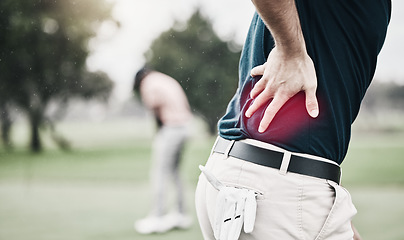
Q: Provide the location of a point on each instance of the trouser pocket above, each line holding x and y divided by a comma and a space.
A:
337, 226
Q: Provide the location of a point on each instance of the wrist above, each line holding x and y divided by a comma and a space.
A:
289, 51
291, 46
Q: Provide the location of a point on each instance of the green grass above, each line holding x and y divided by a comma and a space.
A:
98, 189
375, 159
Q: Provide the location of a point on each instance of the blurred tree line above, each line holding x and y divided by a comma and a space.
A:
205, 65
387, 96
43, 51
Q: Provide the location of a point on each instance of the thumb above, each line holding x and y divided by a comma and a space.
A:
258, 70
312, 104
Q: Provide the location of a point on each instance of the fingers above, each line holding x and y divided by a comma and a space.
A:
234, 207
261, 84
279, 99
228, 220
258, 102
271, 111
311, 103
258, 70
236, 226
258, 88
219, 214
250, 211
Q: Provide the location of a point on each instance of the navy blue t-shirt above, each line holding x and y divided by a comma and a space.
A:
343, 38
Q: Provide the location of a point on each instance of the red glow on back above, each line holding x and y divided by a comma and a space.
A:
291, 120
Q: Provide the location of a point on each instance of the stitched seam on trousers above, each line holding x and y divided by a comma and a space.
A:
324, 229
330, 218
300, 212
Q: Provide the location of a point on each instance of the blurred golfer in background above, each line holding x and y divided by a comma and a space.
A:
164, 96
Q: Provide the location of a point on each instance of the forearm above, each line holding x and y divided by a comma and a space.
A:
288, 69
282, 19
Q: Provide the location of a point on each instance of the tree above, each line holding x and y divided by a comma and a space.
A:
203, 64
5, 121
43, 51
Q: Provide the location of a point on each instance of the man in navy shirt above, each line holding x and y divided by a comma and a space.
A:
304, 70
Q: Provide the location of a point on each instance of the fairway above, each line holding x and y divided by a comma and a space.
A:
98, 189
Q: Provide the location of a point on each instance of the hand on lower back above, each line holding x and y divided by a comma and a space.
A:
282, 78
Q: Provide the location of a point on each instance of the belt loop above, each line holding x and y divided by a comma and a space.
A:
285, 163
214, 145
226, 153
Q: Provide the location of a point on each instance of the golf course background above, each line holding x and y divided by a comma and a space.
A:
100, 187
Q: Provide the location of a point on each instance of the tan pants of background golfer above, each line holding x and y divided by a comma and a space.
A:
289, 206
167, 149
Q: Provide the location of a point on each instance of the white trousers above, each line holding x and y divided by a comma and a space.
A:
167, 150
289, 206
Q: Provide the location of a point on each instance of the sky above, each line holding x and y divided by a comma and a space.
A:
120, 51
